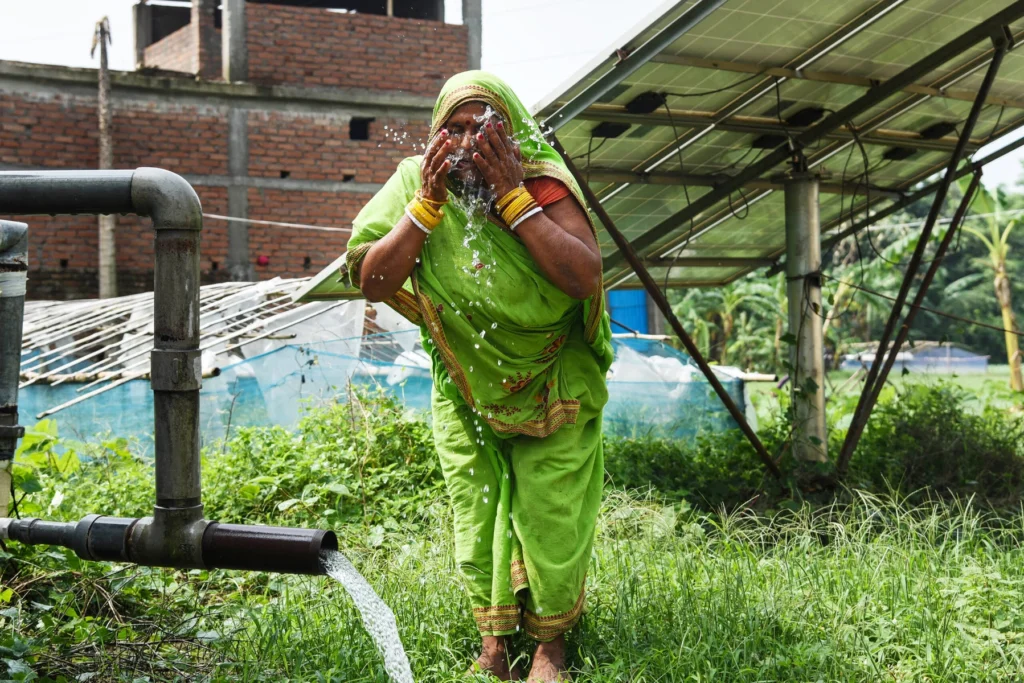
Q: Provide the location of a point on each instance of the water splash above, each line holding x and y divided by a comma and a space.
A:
378, 619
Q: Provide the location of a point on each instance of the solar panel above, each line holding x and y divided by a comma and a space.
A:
723, 83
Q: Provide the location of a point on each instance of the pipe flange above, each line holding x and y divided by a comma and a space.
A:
176, 370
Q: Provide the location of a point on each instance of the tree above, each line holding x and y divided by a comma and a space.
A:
107, 223
996, 238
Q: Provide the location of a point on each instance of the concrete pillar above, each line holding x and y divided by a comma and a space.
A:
234, 54
655, 318
204, 39
472, 18
803, 265
239, 264
142, 15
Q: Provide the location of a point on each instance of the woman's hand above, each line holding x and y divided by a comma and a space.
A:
498, 159
434, 169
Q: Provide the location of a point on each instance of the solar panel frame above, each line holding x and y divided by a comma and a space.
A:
849, 45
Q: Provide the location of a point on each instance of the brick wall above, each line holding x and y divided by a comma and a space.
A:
176, 52
59, 131
314, 47
318, 147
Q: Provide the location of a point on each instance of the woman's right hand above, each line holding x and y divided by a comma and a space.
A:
434, 169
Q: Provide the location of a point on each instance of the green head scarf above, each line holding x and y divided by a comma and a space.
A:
514, 347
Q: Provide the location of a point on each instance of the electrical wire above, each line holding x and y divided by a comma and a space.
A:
686, 193
705, 93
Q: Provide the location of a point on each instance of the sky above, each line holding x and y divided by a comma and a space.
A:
535, 45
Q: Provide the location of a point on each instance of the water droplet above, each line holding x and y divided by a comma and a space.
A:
494, 326
471, 471
509, 534
487, 489
485, 499
471, 368
476, 346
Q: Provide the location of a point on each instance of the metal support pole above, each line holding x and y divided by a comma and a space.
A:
13, 274
662, 302
803, 266
875, 378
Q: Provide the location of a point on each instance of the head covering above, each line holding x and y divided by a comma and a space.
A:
493, 323
539, 158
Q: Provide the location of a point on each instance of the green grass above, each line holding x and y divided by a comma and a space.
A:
991, 388
867, 592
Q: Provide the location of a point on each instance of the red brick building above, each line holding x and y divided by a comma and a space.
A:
272, 110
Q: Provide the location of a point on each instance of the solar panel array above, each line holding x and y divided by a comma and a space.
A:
745, 80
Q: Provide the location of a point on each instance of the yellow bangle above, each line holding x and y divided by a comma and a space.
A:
508, 198
429, 202
424, 216
520, 206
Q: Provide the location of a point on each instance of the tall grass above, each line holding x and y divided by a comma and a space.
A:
875, 590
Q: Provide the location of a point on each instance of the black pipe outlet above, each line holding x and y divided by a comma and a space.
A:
37, 531
266, 548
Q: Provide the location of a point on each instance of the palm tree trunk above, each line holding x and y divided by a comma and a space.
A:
776, 359
727, 325
1013, 353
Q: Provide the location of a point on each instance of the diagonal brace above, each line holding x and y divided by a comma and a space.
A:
666, 309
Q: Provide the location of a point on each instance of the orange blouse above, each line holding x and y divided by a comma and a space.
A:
546, 190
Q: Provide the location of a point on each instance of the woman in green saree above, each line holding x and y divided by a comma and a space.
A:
484, 242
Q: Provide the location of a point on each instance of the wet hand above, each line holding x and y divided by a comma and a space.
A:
434, 168
498, 159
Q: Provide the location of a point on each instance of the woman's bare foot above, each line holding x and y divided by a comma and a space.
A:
494, 660
549, 663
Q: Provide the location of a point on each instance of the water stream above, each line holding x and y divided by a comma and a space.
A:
378, 620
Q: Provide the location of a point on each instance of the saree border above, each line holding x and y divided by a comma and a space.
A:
559, 411
495, 618
545, 629
520, 579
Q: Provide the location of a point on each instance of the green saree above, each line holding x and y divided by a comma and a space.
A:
519, 385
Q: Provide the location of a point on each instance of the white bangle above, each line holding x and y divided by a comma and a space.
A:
416, 222
526, 215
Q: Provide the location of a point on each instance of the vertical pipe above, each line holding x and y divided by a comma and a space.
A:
13, 271
175, 535
803, 266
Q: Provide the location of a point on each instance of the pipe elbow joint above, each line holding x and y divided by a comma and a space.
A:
167, 198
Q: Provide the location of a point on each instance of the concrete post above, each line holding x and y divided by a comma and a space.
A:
204, 37
143, 19
107, 236
239, 264
803, 265
13, 271
472, 18
234, 54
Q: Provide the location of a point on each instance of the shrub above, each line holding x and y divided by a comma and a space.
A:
925, 437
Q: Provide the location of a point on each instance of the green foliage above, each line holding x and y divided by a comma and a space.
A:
363, 461
927, 437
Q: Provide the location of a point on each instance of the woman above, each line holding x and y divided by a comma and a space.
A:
485, 243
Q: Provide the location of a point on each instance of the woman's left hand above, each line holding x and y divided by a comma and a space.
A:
498, 159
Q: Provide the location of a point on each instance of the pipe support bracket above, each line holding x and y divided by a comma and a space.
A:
172, 370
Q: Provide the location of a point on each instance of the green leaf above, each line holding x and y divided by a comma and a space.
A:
340, 489
287, 504
30, 485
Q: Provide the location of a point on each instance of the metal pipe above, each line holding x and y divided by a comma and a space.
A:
13, 275
224, 546
866, 402
666, 309
176, 534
